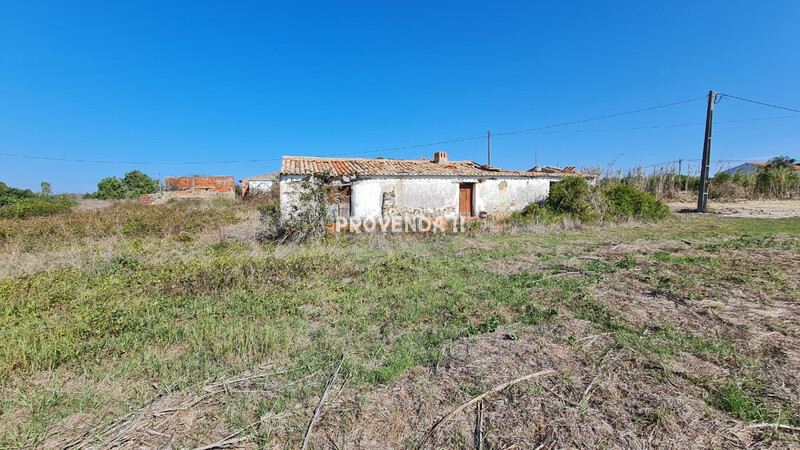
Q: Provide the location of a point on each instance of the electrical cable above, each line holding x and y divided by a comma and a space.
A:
385, 150
761, 103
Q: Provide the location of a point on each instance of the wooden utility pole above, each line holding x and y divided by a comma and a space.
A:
489, 148
702, 196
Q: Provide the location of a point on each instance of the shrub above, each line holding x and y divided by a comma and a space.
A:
574, 198
534, 213
626, 202
21, 203
571, 197
9, 195
37, 206
134, 184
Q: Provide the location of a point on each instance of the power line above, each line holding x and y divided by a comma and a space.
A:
601, 117
678, 125
96, 161
384, 150
761, 103
394, 149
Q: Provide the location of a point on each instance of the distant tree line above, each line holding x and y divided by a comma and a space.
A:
18, 203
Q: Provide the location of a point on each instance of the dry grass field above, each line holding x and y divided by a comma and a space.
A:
133, 326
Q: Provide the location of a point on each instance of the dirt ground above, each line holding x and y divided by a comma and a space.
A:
603, 393
745, 208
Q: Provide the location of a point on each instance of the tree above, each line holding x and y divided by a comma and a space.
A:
132, 185
138, 183
782, 161
46, 189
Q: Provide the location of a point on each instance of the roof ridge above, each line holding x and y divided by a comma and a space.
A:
344, 158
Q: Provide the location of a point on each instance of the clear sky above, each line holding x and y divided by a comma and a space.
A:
168, 81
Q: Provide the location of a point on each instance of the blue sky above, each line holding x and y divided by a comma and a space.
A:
211, 81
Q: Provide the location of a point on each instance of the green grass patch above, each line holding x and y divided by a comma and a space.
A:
686, 260
132, 320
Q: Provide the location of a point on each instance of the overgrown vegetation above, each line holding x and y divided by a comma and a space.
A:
627, 202
309, 216
574, 199
779, 179
132, 185
174, 220
159, 301
21, 203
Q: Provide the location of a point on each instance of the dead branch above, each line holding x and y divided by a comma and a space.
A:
224, 443
566, 400
226, 383
494, 390
587, 392
230, 439
774, 425
479, 426
319, 405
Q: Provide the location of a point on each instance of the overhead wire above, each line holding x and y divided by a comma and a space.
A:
449, 141
384, 150
759, 103
574, 122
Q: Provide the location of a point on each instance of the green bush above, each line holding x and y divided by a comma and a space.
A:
37, 206
534, 213
571, 197
626, 202
574, 198
134, 184
21, 203
9, 195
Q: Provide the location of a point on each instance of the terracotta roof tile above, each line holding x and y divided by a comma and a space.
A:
307, 165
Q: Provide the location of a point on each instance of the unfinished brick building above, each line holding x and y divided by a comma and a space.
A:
194, 187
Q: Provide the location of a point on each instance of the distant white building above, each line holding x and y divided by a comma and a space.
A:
364, 188
749, 167
260, 184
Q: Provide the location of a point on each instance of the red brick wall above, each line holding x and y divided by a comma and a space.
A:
200, 184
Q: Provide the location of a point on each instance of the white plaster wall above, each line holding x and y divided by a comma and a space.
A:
431, 196
260, 187
290, 187
502, 196
365, 198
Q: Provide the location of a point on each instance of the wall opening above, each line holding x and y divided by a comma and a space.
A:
465, 197
339, 196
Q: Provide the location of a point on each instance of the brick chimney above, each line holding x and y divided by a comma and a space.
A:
440, 157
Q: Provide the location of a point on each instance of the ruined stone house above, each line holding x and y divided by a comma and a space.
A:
440, 188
